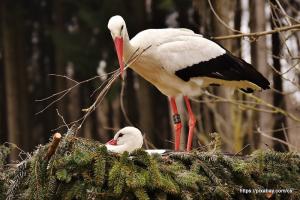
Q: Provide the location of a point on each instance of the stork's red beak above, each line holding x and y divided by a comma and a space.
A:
119, 48
112, 142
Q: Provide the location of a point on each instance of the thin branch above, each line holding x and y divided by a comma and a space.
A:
63, 76
103, 93
256, 35
69, 89
247, 145
103, 83
62, 118
276, 109
281, 129
284, 78
220, 19
285, 133
276, 139
269, 107
276, 19
241, 104
122, 104
284, 13
63, 94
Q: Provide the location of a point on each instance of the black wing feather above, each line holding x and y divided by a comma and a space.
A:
225, 67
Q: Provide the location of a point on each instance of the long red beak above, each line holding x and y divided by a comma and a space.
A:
112, 142
119, 48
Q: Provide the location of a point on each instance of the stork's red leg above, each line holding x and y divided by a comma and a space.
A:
192, 122
177, 123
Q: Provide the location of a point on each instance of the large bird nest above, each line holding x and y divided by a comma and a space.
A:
83, 169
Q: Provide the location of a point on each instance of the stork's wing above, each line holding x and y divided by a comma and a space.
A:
191, 56
181, 51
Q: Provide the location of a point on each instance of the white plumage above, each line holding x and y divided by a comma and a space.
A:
129, 139
177, 49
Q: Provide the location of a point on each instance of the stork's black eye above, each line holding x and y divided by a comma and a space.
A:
121, 134
121, 29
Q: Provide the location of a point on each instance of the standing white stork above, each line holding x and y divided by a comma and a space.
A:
180, 62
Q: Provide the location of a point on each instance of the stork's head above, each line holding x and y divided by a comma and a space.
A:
117, 27
128, 139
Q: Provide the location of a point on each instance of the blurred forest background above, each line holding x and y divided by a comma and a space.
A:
69, 38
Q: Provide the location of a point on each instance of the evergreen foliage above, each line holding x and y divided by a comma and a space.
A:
83, 169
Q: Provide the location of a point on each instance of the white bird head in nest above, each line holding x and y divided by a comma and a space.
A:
126, 139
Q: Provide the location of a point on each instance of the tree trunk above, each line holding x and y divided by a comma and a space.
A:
278, 97
73, 106
225, 10
3, 131
206, 123
238, 114
15, 75
45, 65
259, 60
205, 22
3, 135
60, 63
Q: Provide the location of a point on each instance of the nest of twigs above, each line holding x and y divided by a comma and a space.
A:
83, 169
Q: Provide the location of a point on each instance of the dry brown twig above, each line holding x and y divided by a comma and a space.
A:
122, 95
62, 118
220, 19
258, 34
62, 94
284, 13
293, 82
53, 146
122, 104
291, 147
102, 94
269, 107
275, 15
105, 86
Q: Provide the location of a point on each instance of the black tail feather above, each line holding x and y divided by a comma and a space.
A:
252, 75
225, 67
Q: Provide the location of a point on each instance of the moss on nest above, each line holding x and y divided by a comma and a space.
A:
83, 169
